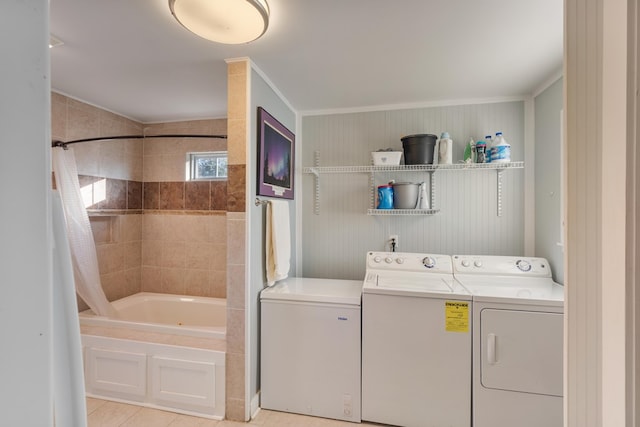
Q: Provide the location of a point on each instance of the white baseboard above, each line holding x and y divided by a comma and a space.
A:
255, 405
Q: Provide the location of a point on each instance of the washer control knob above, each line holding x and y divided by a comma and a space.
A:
429, 262
465, 263
388, 260
523, 265
377, 259
400, 260
477, 263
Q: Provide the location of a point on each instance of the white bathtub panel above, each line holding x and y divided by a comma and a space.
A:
116, 371
201, 392
182, 384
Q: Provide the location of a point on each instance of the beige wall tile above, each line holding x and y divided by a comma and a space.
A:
218, 229
133, 281
238, 148
151, 279
134, 147
112, 159
235, 330
196, 228
218, 283
101, 228
235, 374
199, 255
174, 167
58, 117
114, 285
234, 409
236, 242
153, 227
83, 121
173, 281
237, 94
151, 253
197, 282
132, 167
219, 256
132, 254
173, 254
116, 227
174, 228
236, 288
237, 67
131, 228
116, 257
152, 147
152, 168
87, 158
207, 145
174, 146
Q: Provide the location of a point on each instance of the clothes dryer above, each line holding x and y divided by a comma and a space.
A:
517, 340
416, 342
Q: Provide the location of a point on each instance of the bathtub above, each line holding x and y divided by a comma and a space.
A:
174, 314
162, 351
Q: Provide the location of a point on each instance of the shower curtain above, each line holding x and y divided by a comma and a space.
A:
82, 245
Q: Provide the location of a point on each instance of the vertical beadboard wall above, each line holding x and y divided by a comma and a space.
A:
334, 243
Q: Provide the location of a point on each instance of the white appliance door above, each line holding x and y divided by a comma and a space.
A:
310, 359
521, 351
416, 362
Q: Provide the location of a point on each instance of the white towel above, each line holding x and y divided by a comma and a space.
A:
278, 241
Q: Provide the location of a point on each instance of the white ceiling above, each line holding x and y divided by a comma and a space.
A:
133, 58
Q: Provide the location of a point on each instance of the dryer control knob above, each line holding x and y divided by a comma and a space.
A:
388, 260
429, 262
477, 263
465, 263
523, 265
400, 260
377, 259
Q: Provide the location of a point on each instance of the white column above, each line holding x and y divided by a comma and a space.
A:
25, 224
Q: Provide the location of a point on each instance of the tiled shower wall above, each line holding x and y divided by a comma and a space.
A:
184, 231
154, 231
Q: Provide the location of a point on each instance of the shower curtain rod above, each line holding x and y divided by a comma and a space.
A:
57, 143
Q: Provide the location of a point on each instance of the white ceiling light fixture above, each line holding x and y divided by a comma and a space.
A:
223, 21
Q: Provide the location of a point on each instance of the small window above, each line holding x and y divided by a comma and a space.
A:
202, 166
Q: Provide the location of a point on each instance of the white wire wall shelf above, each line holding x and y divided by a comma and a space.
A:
402, 212
318, 170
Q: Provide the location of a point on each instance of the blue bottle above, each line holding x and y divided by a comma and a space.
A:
385, 196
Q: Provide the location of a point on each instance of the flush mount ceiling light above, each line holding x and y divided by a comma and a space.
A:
223, 21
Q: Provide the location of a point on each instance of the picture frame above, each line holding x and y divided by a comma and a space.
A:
276, 149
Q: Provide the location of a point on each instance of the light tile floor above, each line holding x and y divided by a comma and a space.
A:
104, 413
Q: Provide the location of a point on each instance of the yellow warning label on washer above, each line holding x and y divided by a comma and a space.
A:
456, 315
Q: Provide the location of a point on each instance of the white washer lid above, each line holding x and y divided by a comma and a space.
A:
412, 284
305, 289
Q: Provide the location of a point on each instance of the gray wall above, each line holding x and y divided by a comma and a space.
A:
25, 239
262, 95
334, 243
548, 107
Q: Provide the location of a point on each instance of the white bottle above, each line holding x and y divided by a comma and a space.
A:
445, 149
501, 150
423, 198
487, 151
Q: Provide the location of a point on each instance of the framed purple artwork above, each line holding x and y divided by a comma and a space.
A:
275, 157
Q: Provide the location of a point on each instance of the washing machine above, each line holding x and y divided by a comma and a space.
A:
517, 340
310, 349
416, 342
